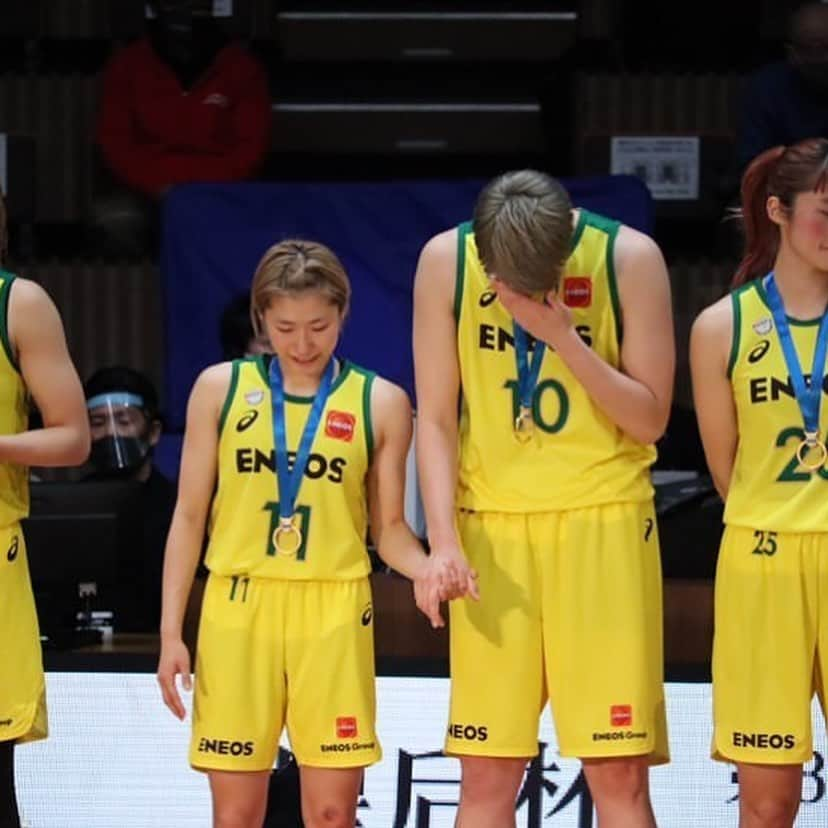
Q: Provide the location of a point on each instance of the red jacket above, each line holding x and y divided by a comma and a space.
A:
154, 133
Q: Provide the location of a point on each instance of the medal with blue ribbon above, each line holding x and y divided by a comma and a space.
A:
528, 373
287, 537
811, 452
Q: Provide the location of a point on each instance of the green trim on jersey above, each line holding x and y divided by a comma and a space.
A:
579, 228
367, 385
231, 392
5, 291
792, 320
610, 227
344, 368
460, 276
736, 302
612, 281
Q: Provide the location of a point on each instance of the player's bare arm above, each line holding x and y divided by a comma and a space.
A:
710, 341
39, 345
184, 542
396, 543
437, 375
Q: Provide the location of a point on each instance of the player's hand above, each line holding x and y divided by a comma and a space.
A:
549, 321
174, 661
428, 593
452, 570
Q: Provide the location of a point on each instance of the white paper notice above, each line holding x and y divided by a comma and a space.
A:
668, 166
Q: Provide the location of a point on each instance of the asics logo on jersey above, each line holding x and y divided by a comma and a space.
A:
252, 461
772, 389
11, 554
487, 297
246, 420
758, 351
6, 722
367, 615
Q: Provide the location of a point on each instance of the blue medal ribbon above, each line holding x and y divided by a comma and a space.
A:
808, 395
290, 480
528, 373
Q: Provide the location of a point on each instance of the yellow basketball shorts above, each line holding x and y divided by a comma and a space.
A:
284, 653
22, 687
569, 610
770, 648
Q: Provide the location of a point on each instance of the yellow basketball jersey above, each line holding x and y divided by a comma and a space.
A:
331, 505
14, 417
769, 489
577, 456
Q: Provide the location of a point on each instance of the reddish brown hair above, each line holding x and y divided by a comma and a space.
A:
784, 172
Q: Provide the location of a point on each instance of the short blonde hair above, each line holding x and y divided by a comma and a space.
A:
523, 229
295, 266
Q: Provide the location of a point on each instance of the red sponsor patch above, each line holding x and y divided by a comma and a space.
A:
346, 727
340, 425
577, 292
621, 715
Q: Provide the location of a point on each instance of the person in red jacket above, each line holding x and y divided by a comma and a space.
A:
183, 103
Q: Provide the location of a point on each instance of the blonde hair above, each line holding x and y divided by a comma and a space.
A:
295, 266
523, 229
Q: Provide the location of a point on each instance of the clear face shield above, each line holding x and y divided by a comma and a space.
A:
120, 430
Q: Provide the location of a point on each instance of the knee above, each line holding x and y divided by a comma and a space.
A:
769, 810
493, 780
328, 815
617, 779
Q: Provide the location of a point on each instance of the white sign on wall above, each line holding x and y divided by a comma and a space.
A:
668, 166
117, 757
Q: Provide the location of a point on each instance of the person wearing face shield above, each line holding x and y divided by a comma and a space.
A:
786, 102
125, 425
183, 103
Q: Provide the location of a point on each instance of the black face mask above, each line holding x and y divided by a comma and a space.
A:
118, 456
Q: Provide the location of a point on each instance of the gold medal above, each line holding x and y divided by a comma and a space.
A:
287, 537
524, 425
812, 445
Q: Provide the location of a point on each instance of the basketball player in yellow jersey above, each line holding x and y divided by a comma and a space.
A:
758, 359
291, 456
547, 513
34, 363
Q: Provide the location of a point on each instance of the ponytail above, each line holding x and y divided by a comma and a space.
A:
761, 234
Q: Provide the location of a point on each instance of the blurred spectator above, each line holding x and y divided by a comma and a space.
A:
125, 424
238, 339
184, 103
788, 101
